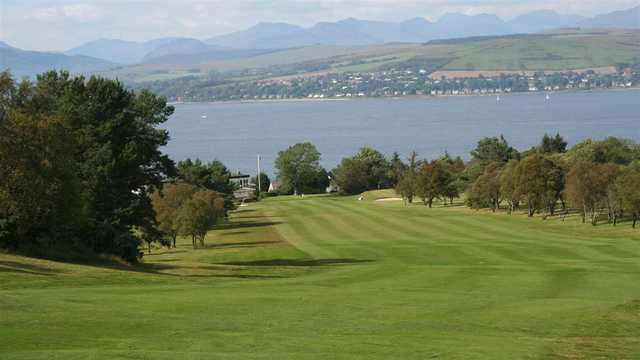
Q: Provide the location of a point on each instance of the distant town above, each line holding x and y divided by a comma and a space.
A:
410, 82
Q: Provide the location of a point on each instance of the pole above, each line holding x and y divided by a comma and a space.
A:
259, 182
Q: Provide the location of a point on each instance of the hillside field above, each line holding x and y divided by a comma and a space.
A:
554, 51
336, 278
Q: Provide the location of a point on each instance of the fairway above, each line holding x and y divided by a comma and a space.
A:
335, 278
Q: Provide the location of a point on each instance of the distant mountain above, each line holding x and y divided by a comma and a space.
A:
4, 45
118, 51
363, 32
23, 63
179, 46
627, 19
265, 35
348, 32
537, 21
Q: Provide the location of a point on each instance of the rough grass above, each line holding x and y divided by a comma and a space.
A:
337, 278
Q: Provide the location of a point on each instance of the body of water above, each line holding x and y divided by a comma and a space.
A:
237, 132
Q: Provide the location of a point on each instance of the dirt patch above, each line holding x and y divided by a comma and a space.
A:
389, 199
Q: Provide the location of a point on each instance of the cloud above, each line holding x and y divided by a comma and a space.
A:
75, 12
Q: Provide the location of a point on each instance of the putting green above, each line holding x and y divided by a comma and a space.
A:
337, 278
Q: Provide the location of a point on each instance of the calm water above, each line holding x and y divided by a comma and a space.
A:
236, 132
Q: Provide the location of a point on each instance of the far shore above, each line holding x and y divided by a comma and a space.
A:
403, 97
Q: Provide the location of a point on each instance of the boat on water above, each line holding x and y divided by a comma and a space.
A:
204, 116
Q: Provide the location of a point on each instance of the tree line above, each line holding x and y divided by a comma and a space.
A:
593, 178
82, 173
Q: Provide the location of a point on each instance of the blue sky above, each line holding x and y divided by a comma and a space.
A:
62, 24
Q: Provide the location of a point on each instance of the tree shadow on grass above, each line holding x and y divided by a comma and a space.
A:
16, 267
168, 252
236, 233
244, 211
160, 269
246, 225
297, 262
236, 245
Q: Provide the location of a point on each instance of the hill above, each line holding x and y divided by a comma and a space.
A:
23, 63
625, 19
331, 277
118, 51
559, 50
350, 32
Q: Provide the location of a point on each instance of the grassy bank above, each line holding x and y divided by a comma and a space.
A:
328, 277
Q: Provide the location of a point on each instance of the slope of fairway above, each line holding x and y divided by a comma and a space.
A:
336, 278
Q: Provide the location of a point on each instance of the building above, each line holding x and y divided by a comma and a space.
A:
245, 189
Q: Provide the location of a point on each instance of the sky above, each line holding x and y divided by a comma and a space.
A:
58, 25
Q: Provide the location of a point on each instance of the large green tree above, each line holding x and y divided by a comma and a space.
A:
432, 181
115, 154
367, 170
298, 168
39, 187
214, 176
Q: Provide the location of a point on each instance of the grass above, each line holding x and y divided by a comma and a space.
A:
337, 278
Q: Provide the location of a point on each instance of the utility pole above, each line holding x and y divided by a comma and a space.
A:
259, 180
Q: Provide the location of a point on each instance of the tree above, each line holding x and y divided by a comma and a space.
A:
408, 181
194, 172
609, 150
493, 149
264, 181
199, 214
537, 181
553, 145
407, 185
351, 176
377, 167
396, 169
432, 180
367, 170
213, 176
167, 204
626, 187
298, 166
115, 154
587, 186
455, 167
486, 190
508, 185
39, 191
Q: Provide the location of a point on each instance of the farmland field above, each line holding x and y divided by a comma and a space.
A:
335, 278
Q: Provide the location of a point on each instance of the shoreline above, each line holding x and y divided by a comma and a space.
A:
404, 97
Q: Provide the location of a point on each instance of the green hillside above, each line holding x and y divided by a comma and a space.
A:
330, 277
567, 50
